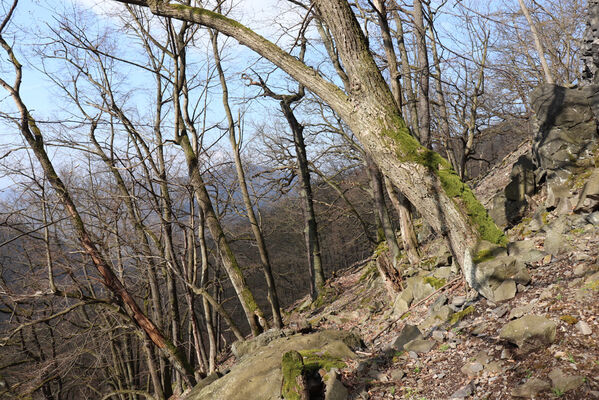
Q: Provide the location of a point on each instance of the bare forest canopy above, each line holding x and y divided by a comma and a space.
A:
172, 180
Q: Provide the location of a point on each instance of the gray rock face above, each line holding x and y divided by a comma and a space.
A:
529, 332
567, 130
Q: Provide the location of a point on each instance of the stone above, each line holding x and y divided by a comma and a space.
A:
494, 367
397, 374
408, 333
242, 347
438, 336
420, 345
520, 247
520, 311
531, 388
583, 328
554, 242
505, 291
258, 375
458, 301
471, 369
442, 272
464, 391
400, 306
500, 311
564, 383
588, 200
529, 332
567, 129
334, 388
436, 318
593, 218
438, 303
489, 274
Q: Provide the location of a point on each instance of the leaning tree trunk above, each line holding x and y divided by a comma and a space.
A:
422, 175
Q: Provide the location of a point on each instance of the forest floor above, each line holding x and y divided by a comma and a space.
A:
468, 359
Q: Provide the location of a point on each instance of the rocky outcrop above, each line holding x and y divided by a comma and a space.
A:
567, 134
258, 375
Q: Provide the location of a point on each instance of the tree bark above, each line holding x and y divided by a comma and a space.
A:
424, 112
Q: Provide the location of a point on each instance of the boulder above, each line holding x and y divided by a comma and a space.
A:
567, 132
588, 200
258, 374
529, 332
242, 347
420, 345
491, 272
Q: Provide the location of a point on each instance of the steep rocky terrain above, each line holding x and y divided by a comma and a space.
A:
522, 323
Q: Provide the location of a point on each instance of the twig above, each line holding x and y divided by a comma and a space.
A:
413, 306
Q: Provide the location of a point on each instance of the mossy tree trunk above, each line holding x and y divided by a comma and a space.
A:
422, 175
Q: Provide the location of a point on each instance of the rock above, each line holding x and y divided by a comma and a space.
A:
241, 348
520, 247
472, 369
529, 332
520, 311
486, 276
464, 391
458, 301
554, 240
408, 333
500, 311
258, 375
436, 318
494, 367
567, 129
564, 383
522, 179
505, 291
439, 303
334, 388
442, 272
397, 374
399, 307
531, 388
438, 336
294, 383
420, 345
583, 328
588, 200
593, 218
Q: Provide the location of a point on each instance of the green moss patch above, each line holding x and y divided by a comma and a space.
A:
460, 315
435, 282
292, 367
568, 319
316, 359
409, 150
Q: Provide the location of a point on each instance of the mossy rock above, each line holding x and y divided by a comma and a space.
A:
292, 368
460, 315
437, 283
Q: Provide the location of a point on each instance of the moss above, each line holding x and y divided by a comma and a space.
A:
409, 150
292, 368
435, 282
315, 360
570, 320
593, 285
460, 315
483, 255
